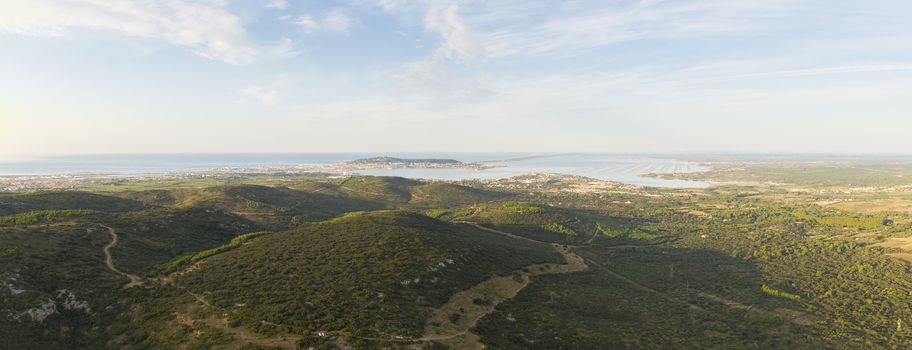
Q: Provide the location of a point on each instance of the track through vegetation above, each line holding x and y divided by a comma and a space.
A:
134, 279
451, 323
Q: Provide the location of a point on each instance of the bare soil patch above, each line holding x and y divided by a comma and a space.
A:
896, 242
905, 257
451, 323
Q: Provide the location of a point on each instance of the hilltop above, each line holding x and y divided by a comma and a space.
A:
363, 275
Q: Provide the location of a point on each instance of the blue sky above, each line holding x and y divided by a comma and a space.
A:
106, 76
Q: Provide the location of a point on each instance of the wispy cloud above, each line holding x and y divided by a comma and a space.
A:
336, 21
515, 27
204, 26
339, 21
277, 4
306, 23
430, 80
458, 40
570, 29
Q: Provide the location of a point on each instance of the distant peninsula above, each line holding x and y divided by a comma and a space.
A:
423, 163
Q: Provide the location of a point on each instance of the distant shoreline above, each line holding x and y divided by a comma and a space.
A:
621, 169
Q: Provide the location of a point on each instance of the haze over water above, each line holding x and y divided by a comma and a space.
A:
625, 169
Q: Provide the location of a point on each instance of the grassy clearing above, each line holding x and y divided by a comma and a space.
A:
451, 323
874, 206
843, 221
779, 293
904, 243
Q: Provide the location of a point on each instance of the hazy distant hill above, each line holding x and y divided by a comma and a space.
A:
398, 192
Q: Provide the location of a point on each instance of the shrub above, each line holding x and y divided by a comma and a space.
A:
36, 216
558, 228
481, 301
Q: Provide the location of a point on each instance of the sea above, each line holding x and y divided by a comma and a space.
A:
611, 167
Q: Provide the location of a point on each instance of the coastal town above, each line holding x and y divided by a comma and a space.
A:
24, 183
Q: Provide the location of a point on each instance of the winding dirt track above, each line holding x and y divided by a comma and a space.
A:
502, 233
134, 279
457, 334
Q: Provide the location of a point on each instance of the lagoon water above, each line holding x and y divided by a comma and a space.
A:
625, 169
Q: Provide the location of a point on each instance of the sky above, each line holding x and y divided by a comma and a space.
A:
648, 76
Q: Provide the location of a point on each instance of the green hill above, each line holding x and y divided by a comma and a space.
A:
55, 291
153, 237
393, 191
374, 274
276, 208
19, 203
543, 222
647, 298
396, 192
279, 208
446, 195
155, 198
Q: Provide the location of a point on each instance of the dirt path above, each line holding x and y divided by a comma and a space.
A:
502, 233
633, 283
253, 213
591, 239
134, 279
794, 316
451, 323
242, 338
